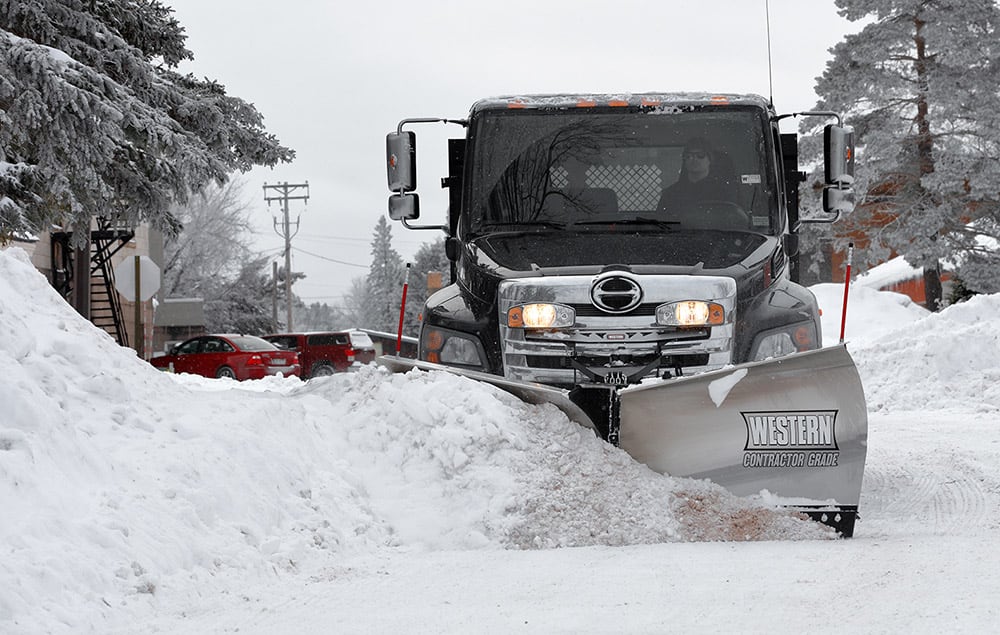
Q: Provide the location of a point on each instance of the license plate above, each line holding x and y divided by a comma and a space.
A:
278, 362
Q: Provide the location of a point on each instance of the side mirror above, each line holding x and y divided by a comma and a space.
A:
404, 207
838, 151
401, 161
838, 201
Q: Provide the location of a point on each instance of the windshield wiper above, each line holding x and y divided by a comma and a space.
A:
525, 224
638, 220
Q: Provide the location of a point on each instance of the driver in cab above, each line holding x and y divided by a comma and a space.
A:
699, 179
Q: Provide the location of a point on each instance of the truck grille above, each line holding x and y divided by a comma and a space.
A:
603, 341
589, 310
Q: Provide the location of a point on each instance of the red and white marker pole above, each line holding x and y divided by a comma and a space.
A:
402, 311
847, 286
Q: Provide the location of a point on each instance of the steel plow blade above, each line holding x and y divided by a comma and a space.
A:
795, 427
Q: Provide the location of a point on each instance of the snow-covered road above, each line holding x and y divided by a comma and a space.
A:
923, 560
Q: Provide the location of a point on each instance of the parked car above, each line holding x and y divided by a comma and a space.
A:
364, 348
226, 355
319, 353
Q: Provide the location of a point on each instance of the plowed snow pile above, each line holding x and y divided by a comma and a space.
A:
912, 359
117, 479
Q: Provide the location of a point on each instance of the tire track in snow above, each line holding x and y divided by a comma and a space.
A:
940, 484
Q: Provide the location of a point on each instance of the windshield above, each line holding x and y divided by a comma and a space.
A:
681, 169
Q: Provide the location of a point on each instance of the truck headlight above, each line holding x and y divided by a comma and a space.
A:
785, 340
540, 316
444, 346
691, 313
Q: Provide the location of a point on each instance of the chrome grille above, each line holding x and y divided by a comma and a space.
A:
606, 342
589, 310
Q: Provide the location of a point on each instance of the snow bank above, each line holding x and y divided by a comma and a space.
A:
944, 361
871, 314
120, 484
912, 359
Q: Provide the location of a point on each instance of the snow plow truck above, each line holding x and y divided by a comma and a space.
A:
632, 259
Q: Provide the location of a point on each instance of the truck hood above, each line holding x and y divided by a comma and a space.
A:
524, 251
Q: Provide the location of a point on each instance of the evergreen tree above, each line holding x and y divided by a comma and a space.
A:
384, 284
319, 317
95, 121
919, 85
243, 304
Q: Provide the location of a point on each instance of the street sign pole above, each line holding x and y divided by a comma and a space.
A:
137, 280
139, 334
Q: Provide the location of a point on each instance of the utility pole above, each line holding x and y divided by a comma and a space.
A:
286, 193
274, 294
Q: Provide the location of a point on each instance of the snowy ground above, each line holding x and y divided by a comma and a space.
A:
134, 501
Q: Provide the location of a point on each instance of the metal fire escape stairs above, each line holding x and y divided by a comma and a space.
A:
105, 304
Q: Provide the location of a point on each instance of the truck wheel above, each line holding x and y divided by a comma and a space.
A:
322, 370
225, 371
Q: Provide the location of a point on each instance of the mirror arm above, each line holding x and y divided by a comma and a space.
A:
836, 217
399, 130
443, 228
461, 122
814, 113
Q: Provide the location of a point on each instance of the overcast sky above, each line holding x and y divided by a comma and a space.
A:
332, 78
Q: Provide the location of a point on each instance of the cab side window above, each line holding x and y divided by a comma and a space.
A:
328, 339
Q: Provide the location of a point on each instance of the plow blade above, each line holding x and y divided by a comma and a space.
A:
795, 427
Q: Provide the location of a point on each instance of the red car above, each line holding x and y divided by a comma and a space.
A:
234, 356
320, 354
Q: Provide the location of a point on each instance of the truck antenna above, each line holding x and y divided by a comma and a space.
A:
770, 78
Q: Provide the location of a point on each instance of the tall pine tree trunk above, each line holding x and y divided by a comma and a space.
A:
925, 156
932, 288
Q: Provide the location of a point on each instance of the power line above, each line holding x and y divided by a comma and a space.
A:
339, 262
322, 237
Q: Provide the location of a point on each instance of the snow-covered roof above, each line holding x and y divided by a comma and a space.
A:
591, 100
889, 273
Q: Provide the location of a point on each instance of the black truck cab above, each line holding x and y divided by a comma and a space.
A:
605, 239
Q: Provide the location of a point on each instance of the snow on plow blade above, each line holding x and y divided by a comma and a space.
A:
795, 427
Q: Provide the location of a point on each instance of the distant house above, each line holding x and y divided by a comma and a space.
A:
892, 275
899, 276
86, 279
176, 320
